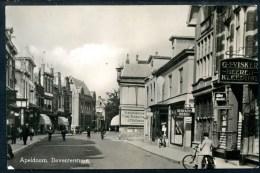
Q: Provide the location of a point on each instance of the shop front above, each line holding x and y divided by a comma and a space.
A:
131, 124
181, 125
237, 124
159, 122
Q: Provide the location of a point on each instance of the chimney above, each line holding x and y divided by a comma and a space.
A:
119, 69
137, 56
156, 53
127, 59
52, 71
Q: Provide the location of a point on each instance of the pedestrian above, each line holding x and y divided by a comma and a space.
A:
88, 132
14, 132
10, 154
63, 132
72, 131
49, 131
25, 133
20, 133
31, 133
205, 149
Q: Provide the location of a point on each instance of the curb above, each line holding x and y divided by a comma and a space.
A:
26, 146
171, 160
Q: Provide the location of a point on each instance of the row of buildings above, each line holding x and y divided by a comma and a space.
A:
210, 84
41, 97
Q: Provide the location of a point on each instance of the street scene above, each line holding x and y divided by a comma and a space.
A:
132, 87
80, 152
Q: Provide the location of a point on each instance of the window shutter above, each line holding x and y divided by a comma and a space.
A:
251, 21
249, 45
232, 32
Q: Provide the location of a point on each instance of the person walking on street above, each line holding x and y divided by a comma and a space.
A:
63, 132
88, 132
49, 131
20, 133
205, 149
25, 133
31, 133
14, 132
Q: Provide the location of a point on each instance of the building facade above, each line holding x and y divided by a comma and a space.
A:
61, 102
12, 111
152, 129
225, 89
24, 74
170, 94
83, 104
132, 91
236, 43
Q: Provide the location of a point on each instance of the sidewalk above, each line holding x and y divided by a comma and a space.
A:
176, 155
19, 143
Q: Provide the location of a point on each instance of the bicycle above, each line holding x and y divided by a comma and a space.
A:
189, 162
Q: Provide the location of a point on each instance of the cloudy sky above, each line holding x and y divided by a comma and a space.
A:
89, 42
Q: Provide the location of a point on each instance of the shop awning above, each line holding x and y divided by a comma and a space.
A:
63, 121
44, 119
115, 121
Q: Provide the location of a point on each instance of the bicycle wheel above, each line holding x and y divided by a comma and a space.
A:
188, 162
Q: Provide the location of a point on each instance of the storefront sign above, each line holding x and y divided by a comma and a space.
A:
129, 117
238, 71
184, 112
220, 96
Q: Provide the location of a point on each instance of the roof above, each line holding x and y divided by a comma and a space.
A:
185, 53
80, 84
181, 37
136, 70
158, 57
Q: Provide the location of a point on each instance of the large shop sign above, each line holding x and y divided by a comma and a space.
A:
238, 71
183, 112
130, 117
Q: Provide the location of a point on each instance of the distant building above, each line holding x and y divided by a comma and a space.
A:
83, 104
62, 97
101, 118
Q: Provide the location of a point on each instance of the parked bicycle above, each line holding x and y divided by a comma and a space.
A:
189, 161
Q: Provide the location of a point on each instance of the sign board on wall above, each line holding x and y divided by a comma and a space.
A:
130, 117
238, 71
183, 112
220, 96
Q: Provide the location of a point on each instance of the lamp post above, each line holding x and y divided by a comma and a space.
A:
22, 104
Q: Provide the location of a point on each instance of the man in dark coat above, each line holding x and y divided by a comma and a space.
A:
25, 133
49, 131
14, 132
63, 132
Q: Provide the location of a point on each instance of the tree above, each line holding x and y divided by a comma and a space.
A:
113, 102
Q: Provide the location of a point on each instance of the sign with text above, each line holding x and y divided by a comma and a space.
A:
130, 117
220, 96
183, 112
238, 71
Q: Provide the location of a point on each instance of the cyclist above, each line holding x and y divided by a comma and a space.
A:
205, 149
